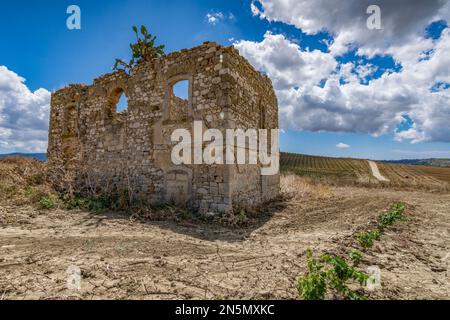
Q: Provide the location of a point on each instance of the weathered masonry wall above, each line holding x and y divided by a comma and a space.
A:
94, 148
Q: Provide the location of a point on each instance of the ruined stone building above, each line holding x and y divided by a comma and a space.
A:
92, 146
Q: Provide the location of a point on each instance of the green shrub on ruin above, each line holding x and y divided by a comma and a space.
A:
144, 49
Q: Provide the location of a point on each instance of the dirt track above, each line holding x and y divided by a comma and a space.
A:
375, 172
127, 259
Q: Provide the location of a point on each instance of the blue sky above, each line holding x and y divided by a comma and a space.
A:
38, 47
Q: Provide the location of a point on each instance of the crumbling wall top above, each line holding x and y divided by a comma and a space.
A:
228, 52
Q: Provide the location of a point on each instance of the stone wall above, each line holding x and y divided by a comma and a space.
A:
94, 148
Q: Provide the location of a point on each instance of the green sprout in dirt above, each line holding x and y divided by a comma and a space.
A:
330, 273
143, 50
367, 238
46, 203
387, 219
356, 257
313, 285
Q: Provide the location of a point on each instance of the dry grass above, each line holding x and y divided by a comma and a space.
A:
297, 187
23, 181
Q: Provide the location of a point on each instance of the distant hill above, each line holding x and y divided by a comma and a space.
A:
353, 171
432, 162
422, 162
37, 156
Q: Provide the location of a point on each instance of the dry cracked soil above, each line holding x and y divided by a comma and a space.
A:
122, 258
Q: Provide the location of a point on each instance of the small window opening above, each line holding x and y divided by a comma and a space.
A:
122, 105
179, 100
118, 101
181, 89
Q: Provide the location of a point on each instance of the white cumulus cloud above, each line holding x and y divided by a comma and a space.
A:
401, 20
317, 93
24, 115
342, 145
285, 63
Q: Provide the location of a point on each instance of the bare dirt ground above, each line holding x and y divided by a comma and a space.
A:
125, 259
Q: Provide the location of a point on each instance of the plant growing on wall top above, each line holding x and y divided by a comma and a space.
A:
143, 50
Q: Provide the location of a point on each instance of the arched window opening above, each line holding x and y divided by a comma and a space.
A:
122, 105
118, 101
181, 89
179, 100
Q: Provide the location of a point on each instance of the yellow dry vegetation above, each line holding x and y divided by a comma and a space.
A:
23, 181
